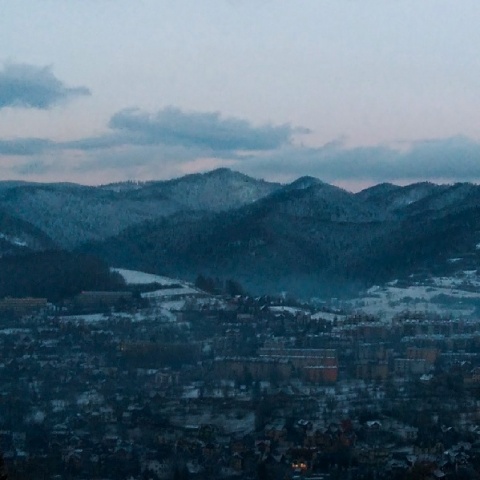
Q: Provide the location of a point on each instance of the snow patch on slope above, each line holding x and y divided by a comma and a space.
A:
454, 295
133, 277
14, 240
172, 288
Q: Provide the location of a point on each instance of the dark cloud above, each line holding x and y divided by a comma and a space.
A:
171, 132
25, 146
172, 126
96, 143
456, 158
29, 86
201, 133
34, 168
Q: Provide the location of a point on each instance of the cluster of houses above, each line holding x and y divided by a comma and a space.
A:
236, 387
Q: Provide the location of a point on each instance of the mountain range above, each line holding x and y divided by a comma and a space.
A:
308, 237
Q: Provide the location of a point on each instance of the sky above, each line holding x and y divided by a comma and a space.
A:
354, 92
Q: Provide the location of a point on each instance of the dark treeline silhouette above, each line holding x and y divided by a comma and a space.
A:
55, 275
216, 286
3, 469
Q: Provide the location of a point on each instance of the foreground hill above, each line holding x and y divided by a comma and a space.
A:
55, 275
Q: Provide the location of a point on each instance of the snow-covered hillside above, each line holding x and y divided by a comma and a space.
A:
133, 277
174, 295
73, 214
457, 295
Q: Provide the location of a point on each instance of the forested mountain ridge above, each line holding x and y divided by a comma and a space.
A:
306, 235
72, 214
18, 236
312, 236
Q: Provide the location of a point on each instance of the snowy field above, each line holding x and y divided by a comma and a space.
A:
172, 292
328, 316
290, 310
100, 317
179, 287
459, 294
132, 277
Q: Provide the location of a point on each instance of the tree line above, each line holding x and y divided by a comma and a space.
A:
55, 275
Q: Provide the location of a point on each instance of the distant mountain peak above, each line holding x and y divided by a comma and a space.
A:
303, 183
228, 173
222, 171
307, 181
223, 174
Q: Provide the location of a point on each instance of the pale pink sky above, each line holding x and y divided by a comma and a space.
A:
391, 76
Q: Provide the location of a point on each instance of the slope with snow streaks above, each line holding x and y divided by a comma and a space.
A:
134, 277
218, 190
73, 214
171, 288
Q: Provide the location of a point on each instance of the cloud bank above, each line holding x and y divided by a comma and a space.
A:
170, 135
207, 131
148, 145
25, 146
171, 126
456, 158
29, 86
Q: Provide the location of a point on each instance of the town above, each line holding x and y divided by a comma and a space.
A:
177, 383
